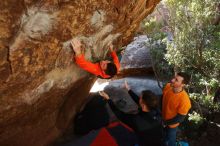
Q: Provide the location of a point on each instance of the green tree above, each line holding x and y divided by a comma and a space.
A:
154, 26
196, 41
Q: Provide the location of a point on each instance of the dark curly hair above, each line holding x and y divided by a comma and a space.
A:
111, 69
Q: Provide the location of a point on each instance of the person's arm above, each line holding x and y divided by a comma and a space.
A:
134, 96
116, 111
114, 57
183, 110
87, 65
115, 60
129, 119
177, 119
119, 114
80, 58
131, 93
111, 104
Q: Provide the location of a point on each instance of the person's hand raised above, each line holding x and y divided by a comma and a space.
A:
126, 85
111, 47
104, 95
77, 46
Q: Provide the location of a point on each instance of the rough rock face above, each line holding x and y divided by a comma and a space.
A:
41, 87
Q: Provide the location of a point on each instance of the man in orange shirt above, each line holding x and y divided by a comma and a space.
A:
103, 69
175, 106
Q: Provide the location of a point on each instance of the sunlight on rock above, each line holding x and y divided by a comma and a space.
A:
98, 86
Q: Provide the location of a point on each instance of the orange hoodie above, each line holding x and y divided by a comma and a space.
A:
95, 68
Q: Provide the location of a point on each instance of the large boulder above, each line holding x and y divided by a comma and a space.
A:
41, 87
136, 59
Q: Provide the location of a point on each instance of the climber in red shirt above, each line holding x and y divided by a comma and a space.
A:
103, 69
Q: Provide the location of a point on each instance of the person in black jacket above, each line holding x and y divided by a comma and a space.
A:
147, 122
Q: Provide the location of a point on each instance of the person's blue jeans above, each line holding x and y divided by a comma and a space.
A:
170, 136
